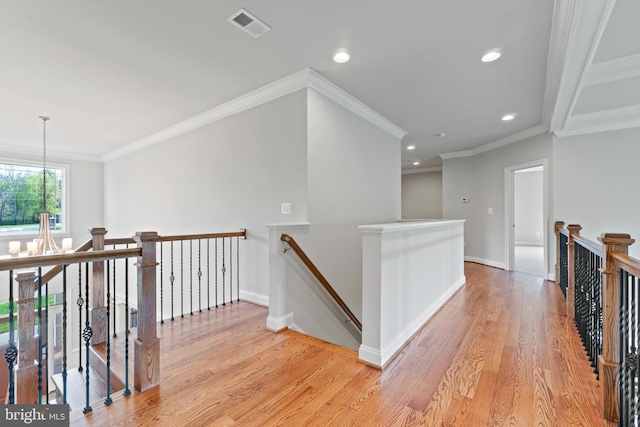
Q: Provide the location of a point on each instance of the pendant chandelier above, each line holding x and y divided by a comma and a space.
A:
45, 244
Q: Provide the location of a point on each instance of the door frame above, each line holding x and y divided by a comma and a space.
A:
509, 210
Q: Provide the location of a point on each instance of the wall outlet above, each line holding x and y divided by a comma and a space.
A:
286, 209
490, 211
465, 200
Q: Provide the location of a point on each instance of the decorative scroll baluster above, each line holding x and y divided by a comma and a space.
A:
64, 335
172, 279
191, 275
115, 331
208, 276
80, 303
182, 278
564, 264
108, 400
11, 353
40, 335
224, 269
87, 333
127, 392
161, 283
628, 350
200, 275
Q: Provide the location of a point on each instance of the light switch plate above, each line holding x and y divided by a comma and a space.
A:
286, 208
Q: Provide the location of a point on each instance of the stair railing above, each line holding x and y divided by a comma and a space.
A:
325, 284
605, 288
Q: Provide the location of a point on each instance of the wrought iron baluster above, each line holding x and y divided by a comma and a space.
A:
87, 333
64, 334
200, 275
45, 333
172, 278
127, 392
191, 275
108, 400
224, 269
161, 283
216, 270
182, 278
208, 276
40, 335
115, 331
80, 303
11, 353
238, 266
230, 270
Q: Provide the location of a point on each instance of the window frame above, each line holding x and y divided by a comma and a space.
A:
64, 198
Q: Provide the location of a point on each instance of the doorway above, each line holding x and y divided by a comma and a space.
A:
526, 218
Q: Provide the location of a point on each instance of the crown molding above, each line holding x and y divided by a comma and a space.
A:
456, 154
306, 78
589, 20
518, 136
615, 69
422, 170
333, 92
36, 152
601, 121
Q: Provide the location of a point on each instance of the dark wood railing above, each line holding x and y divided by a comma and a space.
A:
603, 292
325, 284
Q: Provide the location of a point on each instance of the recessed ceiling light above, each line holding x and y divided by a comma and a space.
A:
508, 117
411, 147
416, 163
492, 55
341, 56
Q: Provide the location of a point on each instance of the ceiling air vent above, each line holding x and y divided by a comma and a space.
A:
248, 23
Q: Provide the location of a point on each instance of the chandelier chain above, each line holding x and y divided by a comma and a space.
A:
44, 163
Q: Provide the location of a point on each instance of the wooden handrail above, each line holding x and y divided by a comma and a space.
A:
65, 259
242, 233
594, 247
49, 275
627, 263
314, 270
120, 241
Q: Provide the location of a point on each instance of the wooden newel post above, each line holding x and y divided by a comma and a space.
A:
574, 230
27, 372
609, 361
147, 345
98, 308
557, 227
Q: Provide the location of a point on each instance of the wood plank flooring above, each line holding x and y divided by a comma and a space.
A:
501, 352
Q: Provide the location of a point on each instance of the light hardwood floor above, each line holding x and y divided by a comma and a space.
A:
500, 352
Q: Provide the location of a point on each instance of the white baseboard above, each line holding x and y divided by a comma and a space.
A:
539, 244
485, 262
254, 298
277, 324
551, 277
295, 327
370, 355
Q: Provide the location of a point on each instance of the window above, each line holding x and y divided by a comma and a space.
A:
21, 197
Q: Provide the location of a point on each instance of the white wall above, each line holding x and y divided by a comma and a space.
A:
528, 208
481, 178
422, 195
353, 179
230, 174
596, 183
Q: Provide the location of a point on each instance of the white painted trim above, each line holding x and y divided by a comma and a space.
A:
408, 331
306, 78
295, 327
601, 121
533, 244
406, 226
51, 154
422, 170
277, 89
277, 324
485, 262
551, 277
370, 355
516, 137
615, 69
254, 298
456, 154
333, 92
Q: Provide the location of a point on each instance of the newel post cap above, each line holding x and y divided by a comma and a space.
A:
146, 236
620, 239
558, 226
98, 231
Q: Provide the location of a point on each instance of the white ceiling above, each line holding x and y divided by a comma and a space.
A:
112, 73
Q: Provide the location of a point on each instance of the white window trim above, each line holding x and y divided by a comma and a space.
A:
64, 198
